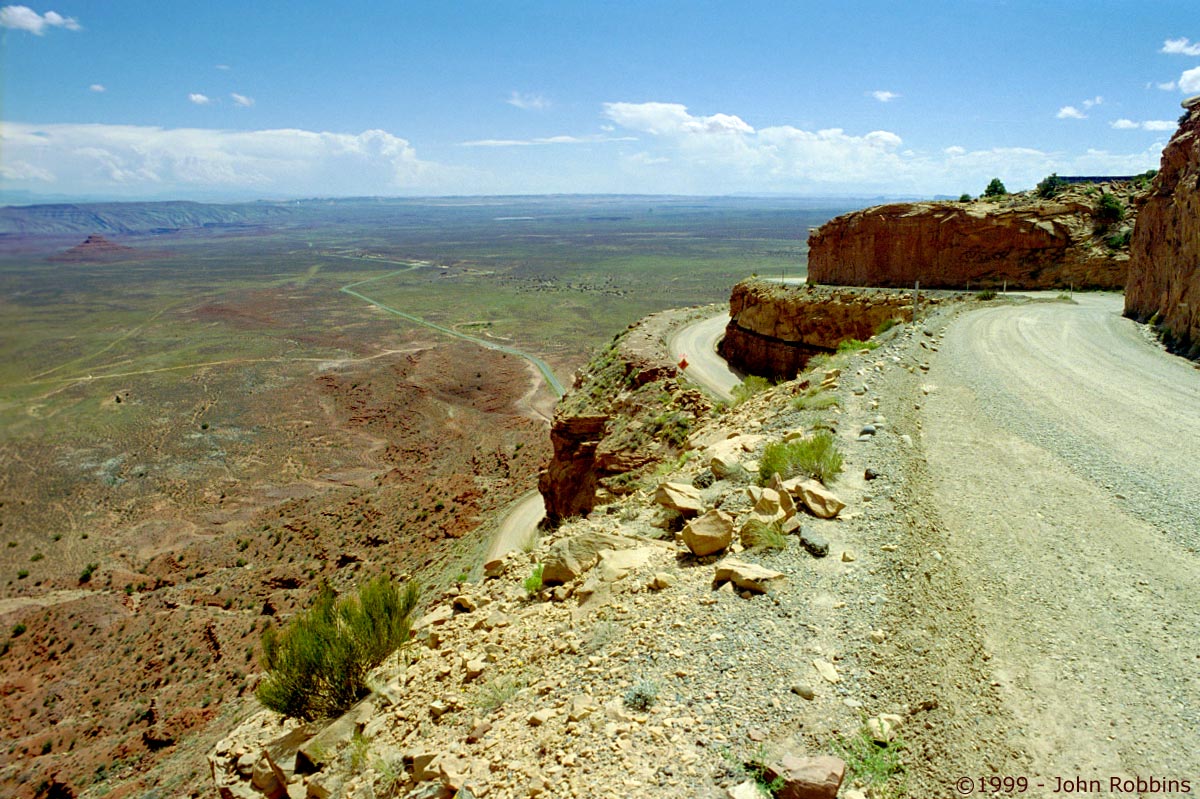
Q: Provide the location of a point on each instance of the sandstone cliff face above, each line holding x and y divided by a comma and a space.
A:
625, 411
1164, 271
775, 330
1022, 240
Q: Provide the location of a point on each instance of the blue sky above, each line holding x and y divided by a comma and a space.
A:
131, 99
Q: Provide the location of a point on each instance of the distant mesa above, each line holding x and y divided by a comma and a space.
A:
97, 249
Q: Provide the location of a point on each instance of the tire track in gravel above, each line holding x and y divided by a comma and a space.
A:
1063, 453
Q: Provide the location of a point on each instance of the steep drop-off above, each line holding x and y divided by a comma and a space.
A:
774, 330
1019, 239
626, 410
1164, 278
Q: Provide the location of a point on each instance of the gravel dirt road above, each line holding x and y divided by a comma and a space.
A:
698, 343
1063, 453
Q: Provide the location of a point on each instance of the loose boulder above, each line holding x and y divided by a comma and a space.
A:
708, 534
746, 576
819, 500
680, 497
807, 777
571, 557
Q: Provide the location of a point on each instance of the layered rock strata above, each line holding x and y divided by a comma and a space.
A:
1164, 270
774, 330
1020, 241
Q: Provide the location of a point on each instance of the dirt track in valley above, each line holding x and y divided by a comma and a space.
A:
1062, 450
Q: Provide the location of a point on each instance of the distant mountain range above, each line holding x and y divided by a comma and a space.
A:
132, 218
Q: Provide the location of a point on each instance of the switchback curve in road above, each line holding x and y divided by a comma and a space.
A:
1064, 456
698, 343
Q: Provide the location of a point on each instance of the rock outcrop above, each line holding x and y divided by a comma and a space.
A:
775, 329
1164, 270
1020, 240
625, 411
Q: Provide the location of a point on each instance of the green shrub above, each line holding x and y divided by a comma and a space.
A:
986, 294
533, 583
757, 533
18, 629
86, 575
1120, 240
995, 189
672, 427
750, 385
815, 399
888, 324
965, 198
1050, 186
854, 345
318, 665
1109, 210
879, 767
815, 456
642, 695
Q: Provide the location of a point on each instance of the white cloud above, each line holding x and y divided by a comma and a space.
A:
1169, 86
589, 139
242, 100
1159, 124
884, 96
672, 119
98, 88
528, 102
1070, 112
688, 153
25, 18
1180, 46
1097, 100
131, 160
224, 67
1125, 124
1190, 81
199, 99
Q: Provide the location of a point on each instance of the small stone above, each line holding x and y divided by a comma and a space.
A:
746, 576
877, 636
744, 790
817, 545
822, 502
870, 474
807, 777
867, 430
539, 717
478, 731
848, 556
464, 603
439, 708
804, 691
474, 668
662, 581
826, 670
883, 727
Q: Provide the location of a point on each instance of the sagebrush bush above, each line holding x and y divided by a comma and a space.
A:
317, 666
816, 456
995, 189
815, 399
750, 385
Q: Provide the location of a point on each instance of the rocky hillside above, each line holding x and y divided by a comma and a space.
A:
706, 632
626, 411
1164, 277
1020, 239
774, 330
